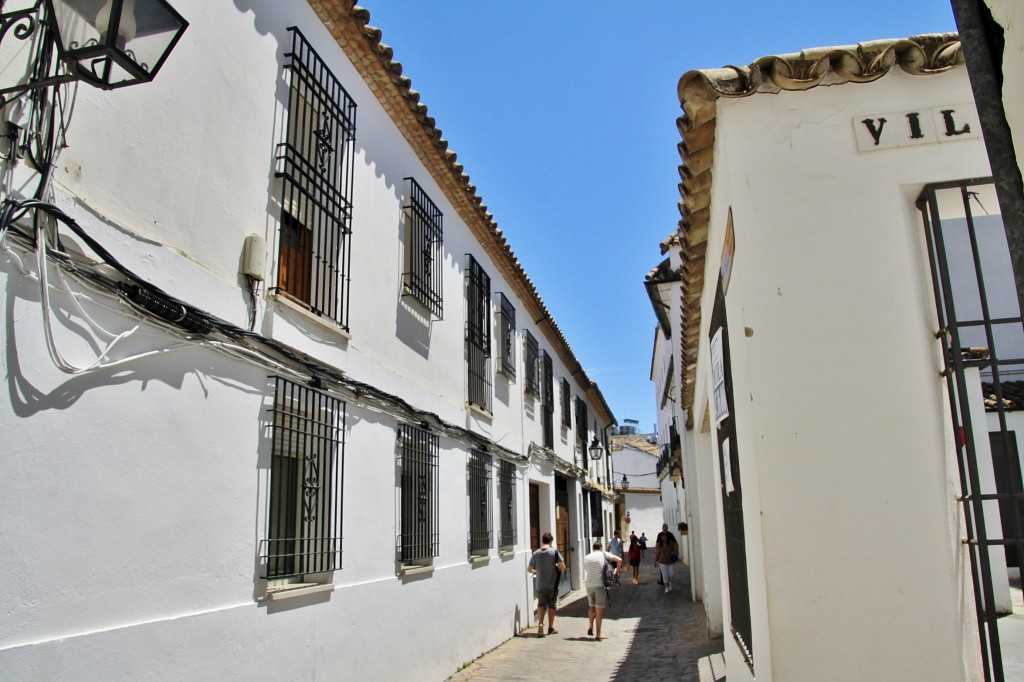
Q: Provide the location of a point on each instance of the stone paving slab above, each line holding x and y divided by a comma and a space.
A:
650, 635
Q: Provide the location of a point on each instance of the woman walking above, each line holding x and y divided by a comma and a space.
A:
666, 553
634, 560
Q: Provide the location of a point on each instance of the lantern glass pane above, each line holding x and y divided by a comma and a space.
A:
75, 21
149, 30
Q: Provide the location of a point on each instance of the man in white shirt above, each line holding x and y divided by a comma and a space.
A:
615, 547
597, 593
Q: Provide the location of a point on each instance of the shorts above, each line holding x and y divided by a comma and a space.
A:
547, 599
597, 596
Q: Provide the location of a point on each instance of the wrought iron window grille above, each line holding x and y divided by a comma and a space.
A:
581, 421
315, 165
478, 473
547, 380
424, 238
565, 394
507, 503
418, 535
478, 334
531, 358
304, 510
507, 337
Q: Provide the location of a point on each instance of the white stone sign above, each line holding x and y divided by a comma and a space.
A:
920, 126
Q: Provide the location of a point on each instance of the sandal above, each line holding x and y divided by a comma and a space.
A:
552, 631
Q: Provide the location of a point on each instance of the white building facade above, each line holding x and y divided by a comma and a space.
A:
281, 401
815, 377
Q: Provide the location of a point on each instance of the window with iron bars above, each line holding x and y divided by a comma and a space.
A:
478, 476
566, 396
303, 531
530, 367
507, 504
424, 236
547, 380
478, 334
315, 165
507, 337
418, 533
581, 421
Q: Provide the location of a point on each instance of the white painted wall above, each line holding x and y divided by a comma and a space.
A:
840, 409
138, 494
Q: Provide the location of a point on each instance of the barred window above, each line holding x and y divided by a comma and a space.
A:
479, 489
478, 334
566, 396
547, 381
303, 531
507, 503
507, 337
532, 354
314, 164
418, 460
424, 235
581, 421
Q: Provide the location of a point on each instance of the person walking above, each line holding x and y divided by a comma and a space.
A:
634, 560
643, 545
597, 593
666, 554
615, 547
548, 565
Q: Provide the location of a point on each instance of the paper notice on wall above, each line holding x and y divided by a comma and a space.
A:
718, 378
727, 466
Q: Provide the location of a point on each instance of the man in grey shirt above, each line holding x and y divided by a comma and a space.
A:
547, 563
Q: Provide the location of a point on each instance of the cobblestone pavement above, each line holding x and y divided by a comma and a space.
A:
647, 635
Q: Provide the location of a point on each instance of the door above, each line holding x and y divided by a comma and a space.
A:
534, 517
562, 533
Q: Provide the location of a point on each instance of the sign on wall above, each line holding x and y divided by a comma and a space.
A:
718, 378
920, 126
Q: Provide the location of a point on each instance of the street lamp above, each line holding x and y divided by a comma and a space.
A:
106, 43
625, 482
596, 449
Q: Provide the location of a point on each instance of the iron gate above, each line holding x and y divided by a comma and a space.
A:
980, 326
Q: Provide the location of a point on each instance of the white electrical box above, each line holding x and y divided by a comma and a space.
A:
254, 257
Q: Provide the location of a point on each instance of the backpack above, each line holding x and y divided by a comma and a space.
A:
608, 574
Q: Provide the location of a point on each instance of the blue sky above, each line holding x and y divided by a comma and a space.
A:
563, 114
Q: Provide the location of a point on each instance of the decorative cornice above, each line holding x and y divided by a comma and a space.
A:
349, 25
699, 92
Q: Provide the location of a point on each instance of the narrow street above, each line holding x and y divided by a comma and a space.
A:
649, 635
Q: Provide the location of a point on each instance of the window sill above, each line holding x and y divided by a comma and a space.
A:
480, 558
479, 410
413, 569
293, 590
285, 301
506, 552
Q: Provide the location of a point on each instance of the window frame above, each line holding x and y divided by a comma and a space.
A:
506, 337
315, 166
531, 356
422, 279
418, 537
307, 432
479, 538
478, 335
566, 398
547, 396
507, 482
